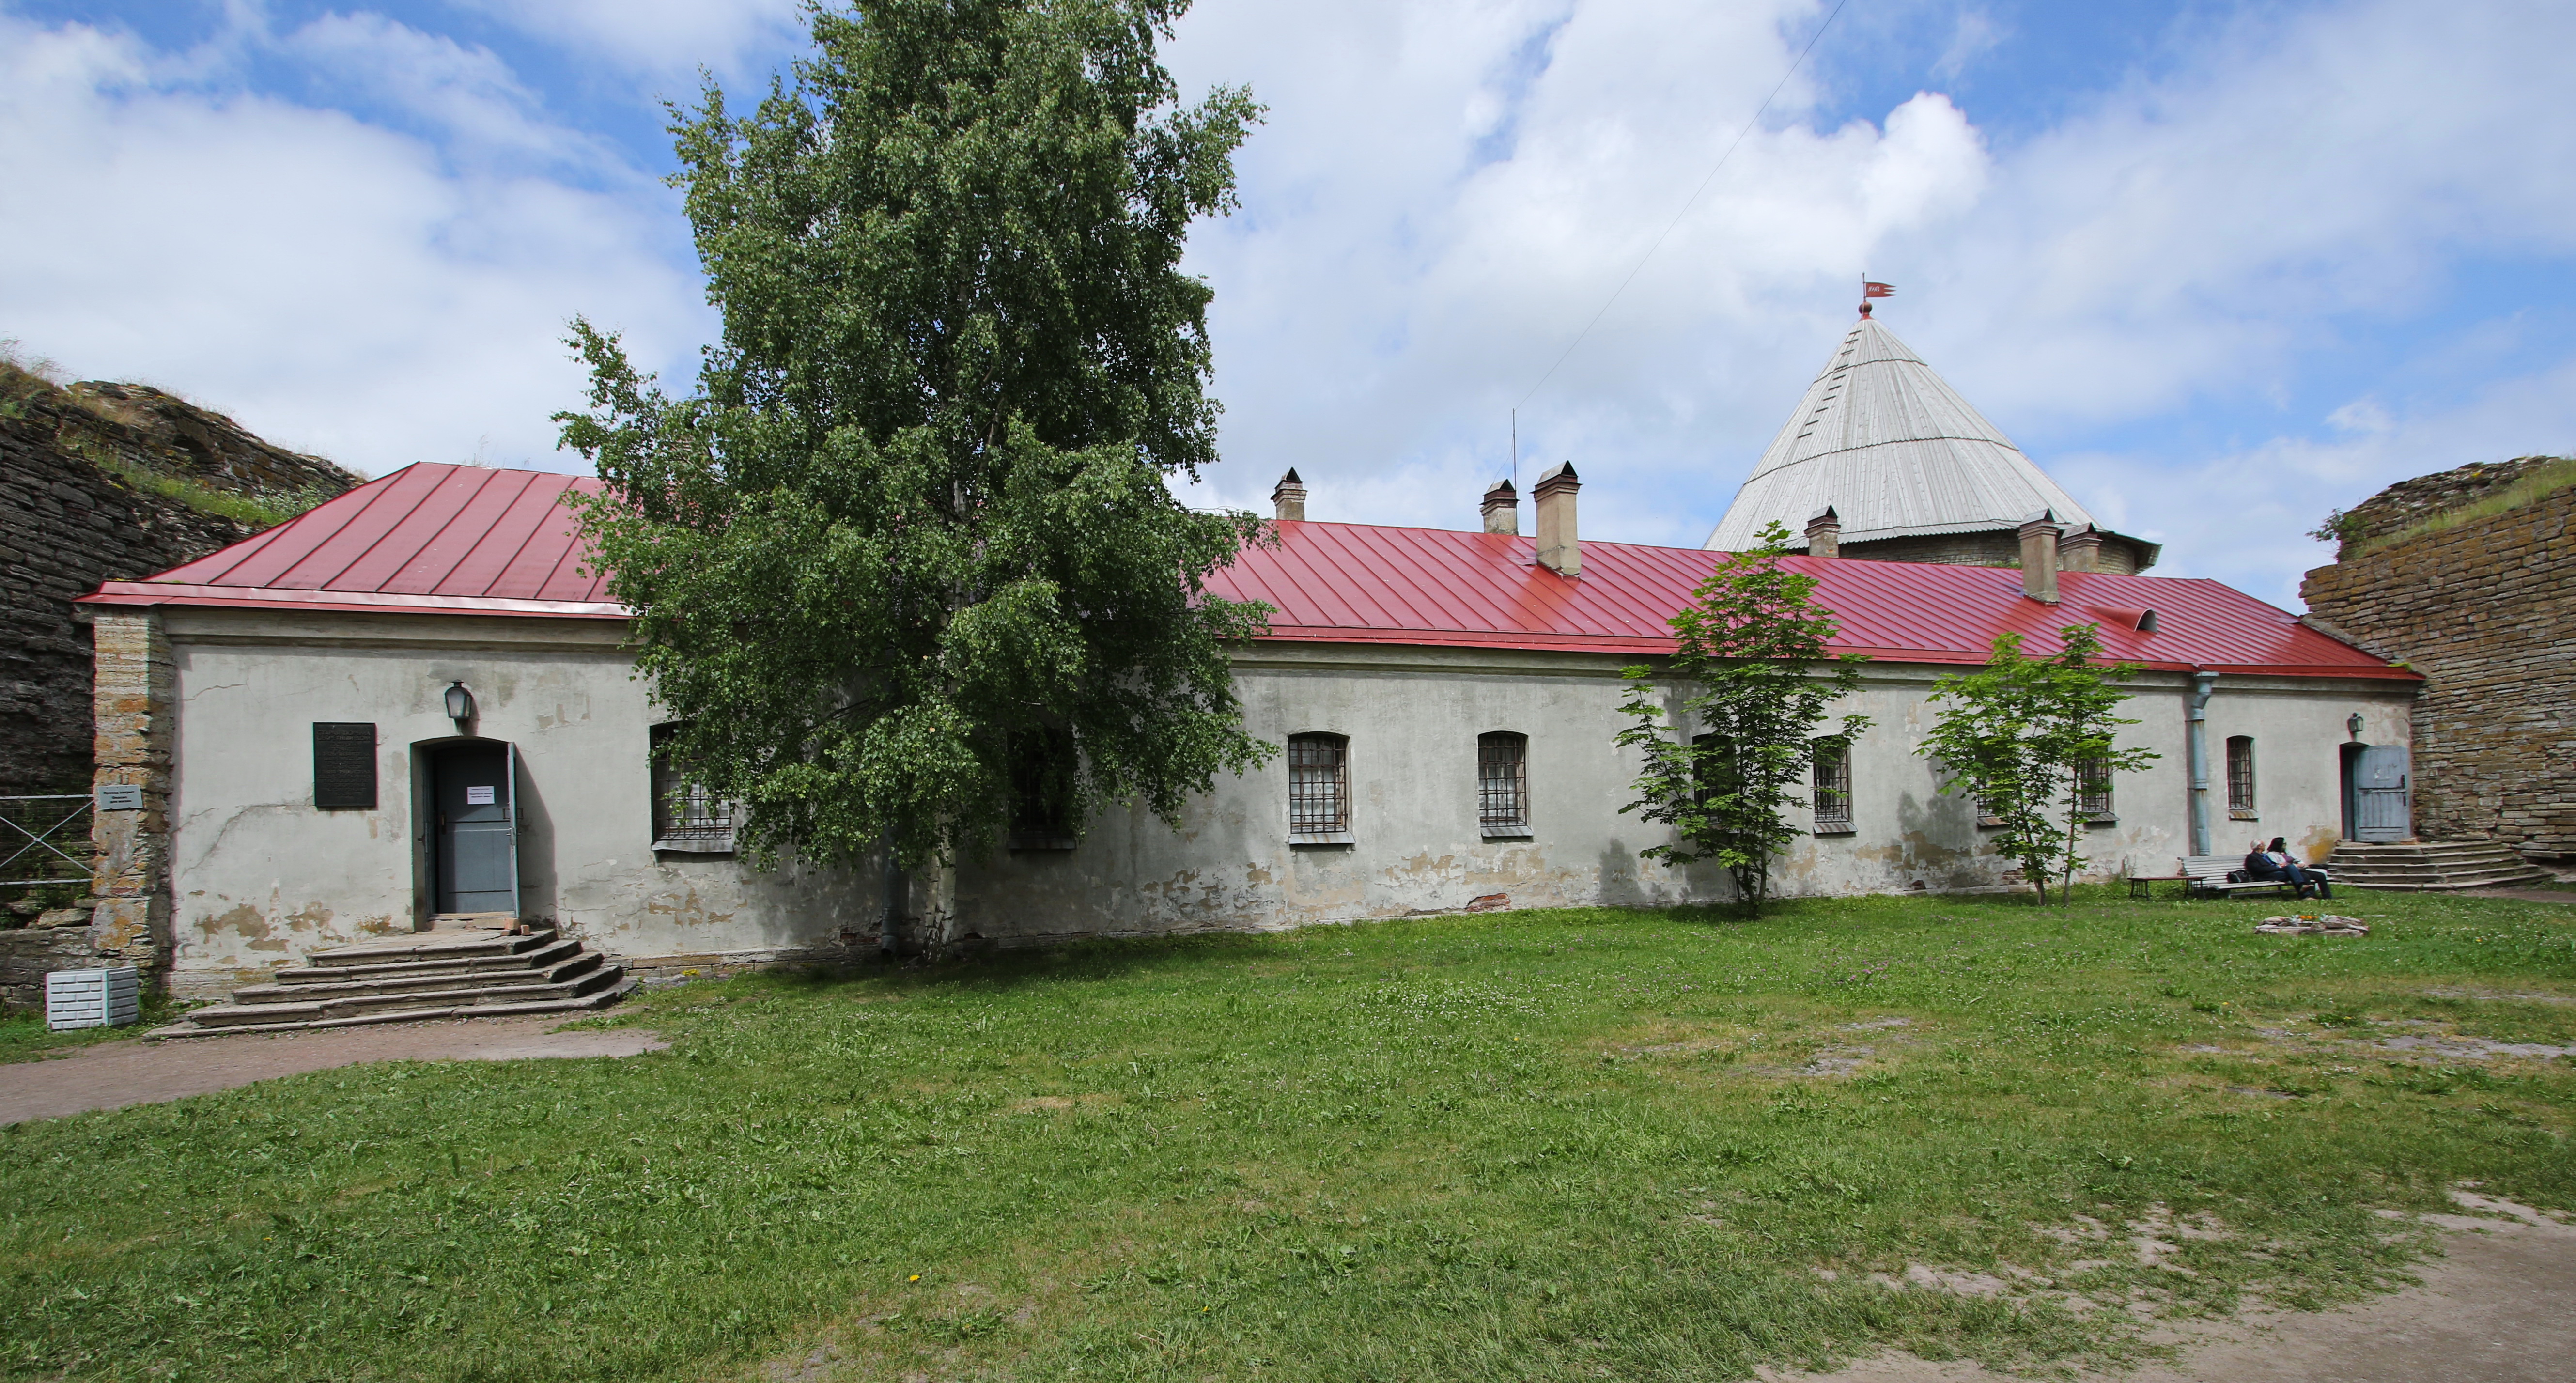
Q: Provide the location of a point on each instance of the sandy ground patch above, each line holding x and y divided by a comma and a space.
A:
2491, 1310
123, 1073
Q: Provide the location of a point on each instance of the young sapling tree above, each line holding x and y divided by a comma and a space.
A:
1751, 661
2018, 737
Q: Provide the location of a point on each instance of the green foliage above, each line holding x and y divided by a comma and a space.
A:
2016, 737
2339, 526
1515, 1146
1731, 757
915, 518
260, 511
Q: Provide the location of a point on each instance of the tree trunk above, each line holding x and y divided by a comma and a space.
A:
934, 901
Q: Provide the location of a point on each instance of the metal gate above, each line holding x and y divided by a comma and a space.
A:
45, 840
2381, 810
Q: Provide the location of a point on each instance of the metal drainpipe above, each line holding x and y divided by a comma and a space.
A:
2196, 737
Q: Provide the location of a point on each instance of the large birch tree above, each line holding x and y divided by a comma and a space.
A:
906, 553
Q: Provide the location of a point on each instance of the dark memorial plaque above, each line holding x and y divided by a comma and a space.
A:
344, 764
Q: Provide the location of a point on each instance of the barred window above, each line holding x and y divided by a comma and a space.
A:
1714, 768
1502, 783
1319, 789
1833, 788
686, 817
2093, 789
2240, 777
1042, 790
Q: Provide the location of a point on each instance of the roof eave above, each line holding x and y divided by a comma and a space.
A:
161, 593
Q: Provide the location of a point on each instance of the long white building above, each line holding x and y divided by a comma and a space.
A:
414, 704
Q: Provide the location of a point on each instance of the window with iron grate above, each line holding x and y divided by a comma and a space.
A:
1042, 771
2093, 790
1833, 788
1502, 783
2240, 778
1319, 790
687, 819
1714, 769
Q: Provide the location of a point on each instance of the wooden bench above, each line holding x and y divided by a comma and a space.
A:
2208, 875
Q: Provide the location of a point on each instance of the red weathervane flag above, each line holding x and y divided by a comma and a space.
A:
1877, 290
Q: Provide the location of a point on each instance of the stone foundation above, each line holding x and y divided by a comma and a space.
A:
29, 954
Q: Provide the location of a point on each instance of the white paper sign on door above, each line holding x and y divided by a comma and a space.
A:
478, 797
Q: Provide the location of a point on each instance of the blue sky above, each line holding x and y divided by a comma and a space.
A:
2220, 268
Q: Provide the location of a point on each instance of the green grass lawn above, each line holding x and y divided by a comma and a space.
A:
1542, 1145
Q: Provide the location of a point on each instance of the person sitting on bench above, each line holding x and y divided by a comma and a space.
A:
2274, 862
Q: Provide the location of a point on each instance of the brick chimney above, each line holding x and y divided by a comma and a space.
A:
1502, 508
1288, 502
1825, 533
1558, 549
2080, 550
2039, 535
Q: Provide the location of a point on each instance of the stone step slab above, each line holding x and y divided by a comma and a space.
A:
311, 990
470, 965
585, 1004
238, 1014
458, 947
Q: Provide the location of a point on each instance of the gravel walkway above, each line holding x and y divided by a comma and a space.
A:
118, 1074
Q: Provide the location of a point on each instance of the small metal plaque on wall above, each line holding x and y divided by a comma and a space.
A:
344, 765
120, 797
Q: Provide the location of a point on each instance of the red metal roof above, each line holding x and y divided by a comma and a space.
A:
428, 537
472, 541
1361, 583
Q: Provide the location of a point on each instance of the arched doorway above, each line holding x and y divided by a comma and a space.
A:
474, 834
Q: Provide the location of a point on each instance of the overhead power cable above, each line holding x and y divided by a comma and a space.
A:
1669, 227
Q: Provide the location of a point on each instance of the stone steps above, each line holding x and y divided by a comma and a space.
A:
307, 990
586, 1004
2433, 866
463, 973
395, 970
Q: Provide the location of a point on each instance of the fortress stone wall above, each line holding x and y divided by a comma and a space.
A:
73, 514
2484, 605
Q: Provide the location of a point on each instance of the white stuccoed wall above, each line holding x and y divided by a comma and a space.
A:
260, 877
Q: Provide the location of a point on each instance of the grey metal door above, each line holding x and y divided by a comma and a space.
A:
2380, 810
478, 854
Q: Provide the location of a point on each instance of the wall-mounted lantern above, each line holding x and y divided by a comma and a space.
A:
2354, 725
460, 705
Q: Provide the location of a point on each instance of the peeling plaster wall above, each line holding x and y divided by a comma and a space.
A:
1413, 715
260, 877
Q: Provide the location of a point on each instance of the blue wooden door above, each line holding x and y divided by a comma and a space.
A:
2381, 810
478, 855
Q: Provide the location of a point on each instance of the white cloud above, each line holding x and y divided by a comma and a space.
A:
479, 106
658, 36
1973, 34
1447, 192
2183, 238
336, 286
1401, 275
2364, 415
2243, 517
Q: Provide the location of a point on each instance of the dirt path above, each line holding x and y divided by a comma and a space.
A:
124, 1073
2493, 1310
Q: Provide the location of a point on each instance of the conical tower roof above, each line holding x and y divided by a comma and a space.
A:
1896, 452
